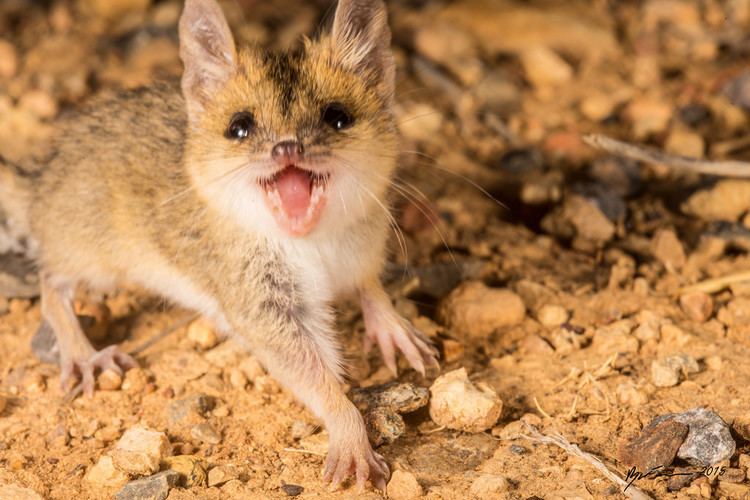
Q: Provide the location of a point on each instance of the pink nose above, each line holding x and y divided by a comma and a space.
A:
287, 152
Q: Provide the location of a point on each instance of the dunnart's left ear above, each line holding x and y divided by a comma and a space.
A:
362, 42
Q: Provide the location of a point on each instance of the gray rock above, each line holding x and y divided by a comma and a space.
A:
154, 487
708, 441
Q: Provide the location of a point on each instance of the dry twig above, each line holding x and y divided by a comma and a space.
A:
716, 284
728, 168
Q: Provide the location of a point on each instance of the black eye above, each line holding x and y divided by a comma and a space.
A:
337, 116
240, 125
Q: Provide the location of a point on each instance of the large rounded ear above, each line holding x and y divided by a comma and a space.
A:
362, 42
207, 50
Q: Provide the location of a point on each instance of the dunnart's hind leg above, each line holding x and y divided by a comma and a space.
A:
78, 358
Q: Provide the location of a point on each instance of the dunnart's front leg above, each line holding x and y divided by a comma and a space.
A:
78, 358
302, 356
384, 325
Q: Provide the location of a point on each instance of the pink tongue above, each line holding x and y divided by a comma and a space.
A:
293, 185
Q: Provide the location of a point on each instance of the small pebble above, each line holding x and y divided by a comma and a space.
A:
222, 474
104, 473
713, 363
35, 383
109, 380
727, 200
191, 469
597, 107
452, 351
667, 249
201, 333
741, 426
683, 142
108, 434
237, 378
733, 475
489, 486
292, 490
140, 450
698, 306
544, 68
205, 433
154, 487
135, 381
667, 372
403, 486
551, 315
459, 404
648, 116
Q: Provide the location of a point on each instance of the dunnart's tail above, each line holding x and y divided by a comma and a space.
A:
17, 247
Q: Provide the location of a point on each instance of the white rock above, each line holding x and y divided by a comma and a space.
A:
104, 473
458, 404
201, 333
403, 486
475, 310
140, 450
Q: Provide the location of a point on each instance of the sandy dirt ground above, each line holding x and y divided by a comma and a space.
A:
571, 285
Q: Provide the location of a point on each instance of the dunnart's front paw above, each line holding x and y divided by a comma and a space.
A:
78, 372
384, 326
356, 457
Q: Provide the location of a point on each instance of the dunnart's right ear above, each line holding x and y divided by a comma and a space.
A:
208, 52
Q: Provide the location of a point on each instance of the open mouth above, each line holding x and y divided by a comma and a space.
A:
296, 198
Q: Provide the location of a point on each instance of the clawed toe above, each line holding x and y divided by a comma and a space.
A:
84, 371
363, 465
